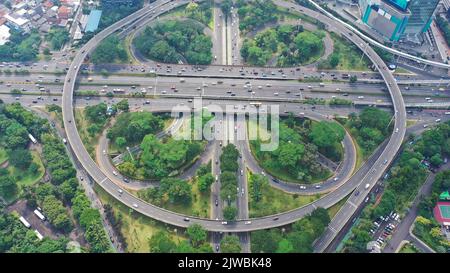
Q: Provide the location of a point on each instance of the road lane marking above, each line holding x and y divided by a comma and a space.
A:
103, 180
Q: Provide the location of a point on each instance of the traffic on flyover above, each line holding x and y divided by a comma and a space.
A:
359, 180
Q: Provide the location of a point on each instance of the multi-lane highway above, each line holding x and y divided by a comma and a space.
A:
213, 225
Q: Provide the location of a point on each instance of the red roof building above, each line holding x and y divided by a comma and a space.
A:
64, 12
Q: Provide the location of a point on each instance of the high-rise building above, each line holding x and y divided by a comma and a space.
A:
398, 19
421, 17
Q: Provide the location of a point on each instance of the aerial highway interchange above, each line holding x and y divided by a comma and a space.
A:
225, 82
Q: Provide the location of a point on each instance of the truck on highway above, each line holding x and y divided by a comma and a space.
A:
118, 91
256, 104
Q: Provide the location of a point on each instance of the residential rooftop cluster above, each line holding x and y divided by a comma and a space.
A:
24, 15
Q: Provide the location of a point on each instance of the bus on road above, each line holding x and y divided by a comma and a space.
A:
32, 138
39, 214
24, 222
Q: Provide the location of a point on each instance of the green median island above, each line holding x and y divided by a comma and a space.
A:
296, 159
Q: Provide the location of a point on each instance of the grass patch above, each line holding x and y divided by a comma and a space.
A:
409, 248
25, 178
82, 124
410, 122
280, 173
349, 56
359, 156
199, 206
276, 201
401, 70
137, 228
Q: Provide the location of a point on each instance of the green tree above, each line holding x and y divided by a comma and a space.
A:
8, 186
121, 142
197, 234
285, 246
179, 191
20, 158
229, 213
230, 244
326, 134
205, 182
123, 105
160, 242
334, 60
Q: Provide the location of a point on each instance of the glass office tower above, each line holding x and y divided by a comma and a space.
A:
398, 19
421, 15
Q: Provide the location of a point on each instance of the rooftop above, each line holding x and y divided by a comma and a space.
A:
93, 20
4, 34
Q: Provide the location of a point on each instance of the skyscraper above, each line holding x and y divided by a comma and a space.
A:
421, 17
398, 19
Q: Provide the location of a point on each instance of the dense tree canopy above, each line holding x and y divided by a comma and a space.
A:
21, 47
255, 13
370, 128
296, 158
58, 37
175, 41
15, 238
134, 126
290, 45
298, 240
109, 50
230, 244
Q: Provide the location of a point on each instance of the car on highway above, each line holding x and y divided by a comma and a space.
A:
224, 222
248, 222
115, 173
135, 205
367, 186
302, 187
120, 191
216, 202
317, 186
186, 219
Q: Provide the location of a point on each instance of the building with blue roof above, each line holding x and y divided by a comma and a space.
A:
93, 20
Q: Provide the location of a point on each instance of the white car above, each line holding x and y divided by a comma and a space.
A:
115, 173
120, 191
303, 187
135, 205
